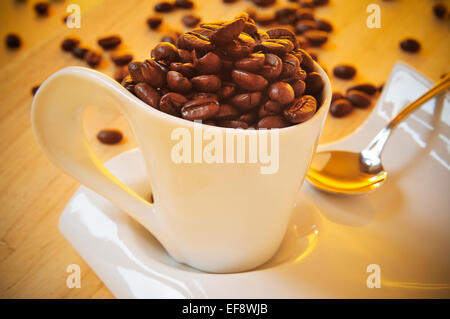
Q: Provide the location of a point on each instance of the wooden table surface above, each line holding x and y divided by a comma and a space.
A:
33, 253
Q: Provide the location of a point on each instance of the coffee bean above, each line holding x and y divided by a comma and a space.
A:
128, 83
272, 68
227, 90
344, 71
171, 38
440, 10
210, 63
13, 41
265, 19
306, 61
276, 46
171, 103
203, 95
109, 136
319, 3
263, 111
206, 83
121, 59
135, 71
290, 65
200, 109
246, 101
336, 96
324, 25
281, 92
227, 112
241, 47
164, 6
285, 15
185, 56
178, 82
272, 121
197, 42
69, 44
367, 88
110, 42
120, 74
184, 4
190, 20
252, 63
250, 118
80, 52
165, 52
316, 37
273, 107
305, 25
314, 83
249, 81
304, 14
264, 3
340, 108
154, 22
34, 89
359, 99
229, 1
233, 124
41, 8
305, 3
153, 73
301, 110
228, 32
187, 69
147, 94
282, 33
93, 58
299, 87
410, 45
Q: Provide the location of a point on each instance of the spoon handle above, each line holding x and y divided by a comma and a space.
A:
377, 144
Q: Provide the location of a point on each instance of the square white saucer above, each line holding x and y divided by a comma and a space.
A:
402, 227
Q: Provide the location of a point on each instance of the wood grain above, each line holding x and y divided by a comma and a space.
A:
33, 253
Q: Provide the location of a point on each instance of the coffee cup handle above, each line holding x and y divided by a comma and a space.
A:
56, 118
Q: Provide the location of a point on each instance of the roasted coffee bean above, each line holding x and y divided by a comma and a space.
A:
304, 14
41, 8
302, 42
206, 83
290, 65
233, 124
359, 99
252, 63
165, 52
135, 71
246, 101
276, 46
228, 32
263, 111
185, 56
344, 71
273, 107
187, 69
152, 73
190, 20
120, 74
306, 61
250, 118
110, 136
210, 63
282, 33
249, 81
171, 103
336, 96
227, 90
319, 3
316, 37
440, 10
265, 19
209, 122
203, 95
128, 83
69, 44
171, 38
272, 68
285, 15
227, 112
164, 6
313, 55
200, 109
367, 88
302, 109
341, 108
154, 22
410, 45
195, 42
272, 121
34, 89
121, 59
178, 82
281, 92
305, 25
80, 52
93, 58
229, 1
299, 87
241, 47
184, 4
324, 25
314, 83
305, 3
13, 41
264, 3
147, 94
110, 42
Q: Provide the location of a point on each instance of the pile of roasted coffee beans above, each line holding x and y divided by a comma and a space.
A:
230, 74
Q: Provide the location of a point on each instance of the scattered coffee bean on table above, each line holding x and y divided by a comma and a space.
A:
410, 45
110, 42
264, 3
190, 20
336, 96
80, 52
121, 59
359, 99
109, 136
13, 41
440, 10
341, 107
69, 44
367, 88
154, 22
164, 7
324, 25
34, 89
184, 4
93, 58
230, 74
41, 8
344, 71
316, 37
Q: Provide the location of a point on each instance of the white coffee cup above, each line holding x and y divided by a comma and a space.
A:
217, 217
